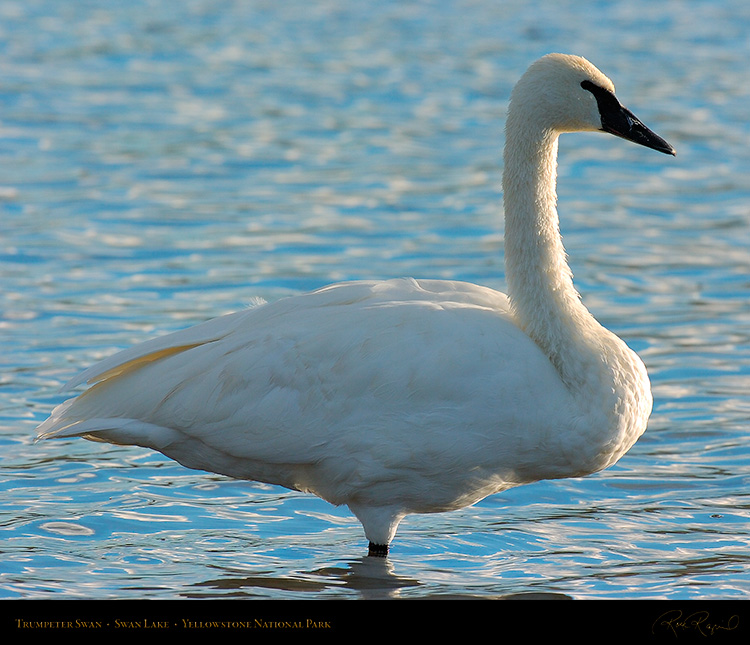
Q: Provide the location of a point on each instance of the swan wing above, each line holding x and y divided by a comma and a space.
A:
395, 375
156, 348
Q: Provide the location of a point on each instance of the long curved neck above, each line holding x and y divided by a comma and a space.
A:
540, 284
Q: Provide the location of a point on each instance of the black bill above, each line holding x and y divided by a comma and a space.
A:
618, 120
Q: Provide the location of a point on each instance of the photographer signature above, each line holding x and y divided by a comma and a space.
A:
676, 622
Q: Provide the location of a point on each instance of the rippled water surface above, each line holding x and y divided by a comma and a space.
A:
162, 163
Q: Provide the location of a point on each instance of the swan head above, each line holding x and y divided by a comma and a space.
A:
563, 93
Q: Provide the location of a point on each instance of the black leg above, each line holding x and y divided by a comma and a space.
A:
379, 550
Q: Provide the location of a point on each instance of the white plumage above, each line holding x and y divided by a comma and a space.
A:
403, 396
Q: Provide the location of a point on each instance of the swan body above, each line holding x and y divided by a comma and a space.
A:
403, 396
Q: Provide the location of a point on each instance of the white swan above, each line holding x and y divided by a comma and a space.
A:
404, 396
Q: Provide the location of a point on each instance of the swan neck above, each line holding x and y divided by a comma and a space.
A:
540, 284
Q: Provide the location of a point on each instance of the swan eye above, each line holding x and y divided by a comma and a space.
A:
605, 100
601, 95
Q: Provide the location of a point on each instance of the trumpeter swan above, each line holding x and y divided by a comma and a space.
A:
403, 396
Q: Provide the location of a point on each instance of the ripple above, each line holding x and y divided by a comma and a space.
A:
67, 529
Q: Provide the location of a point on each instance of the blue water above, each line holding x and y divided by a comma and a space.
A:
162, 163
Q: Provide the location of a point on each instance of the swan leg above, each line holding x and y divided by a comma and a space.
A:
378, 550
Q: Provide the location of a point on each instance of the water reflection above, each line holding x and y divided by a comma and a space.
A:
368, 578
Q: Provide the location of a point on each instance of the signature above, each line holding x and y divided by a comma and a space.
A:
699, 622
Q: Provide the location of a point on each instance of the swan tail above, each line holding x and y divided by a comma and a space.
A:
61, 425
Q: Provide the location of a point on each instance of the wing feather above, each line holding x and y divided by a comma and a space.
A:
277, 393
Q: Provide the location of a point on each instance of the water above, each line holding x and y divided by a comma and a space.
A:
166, 162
